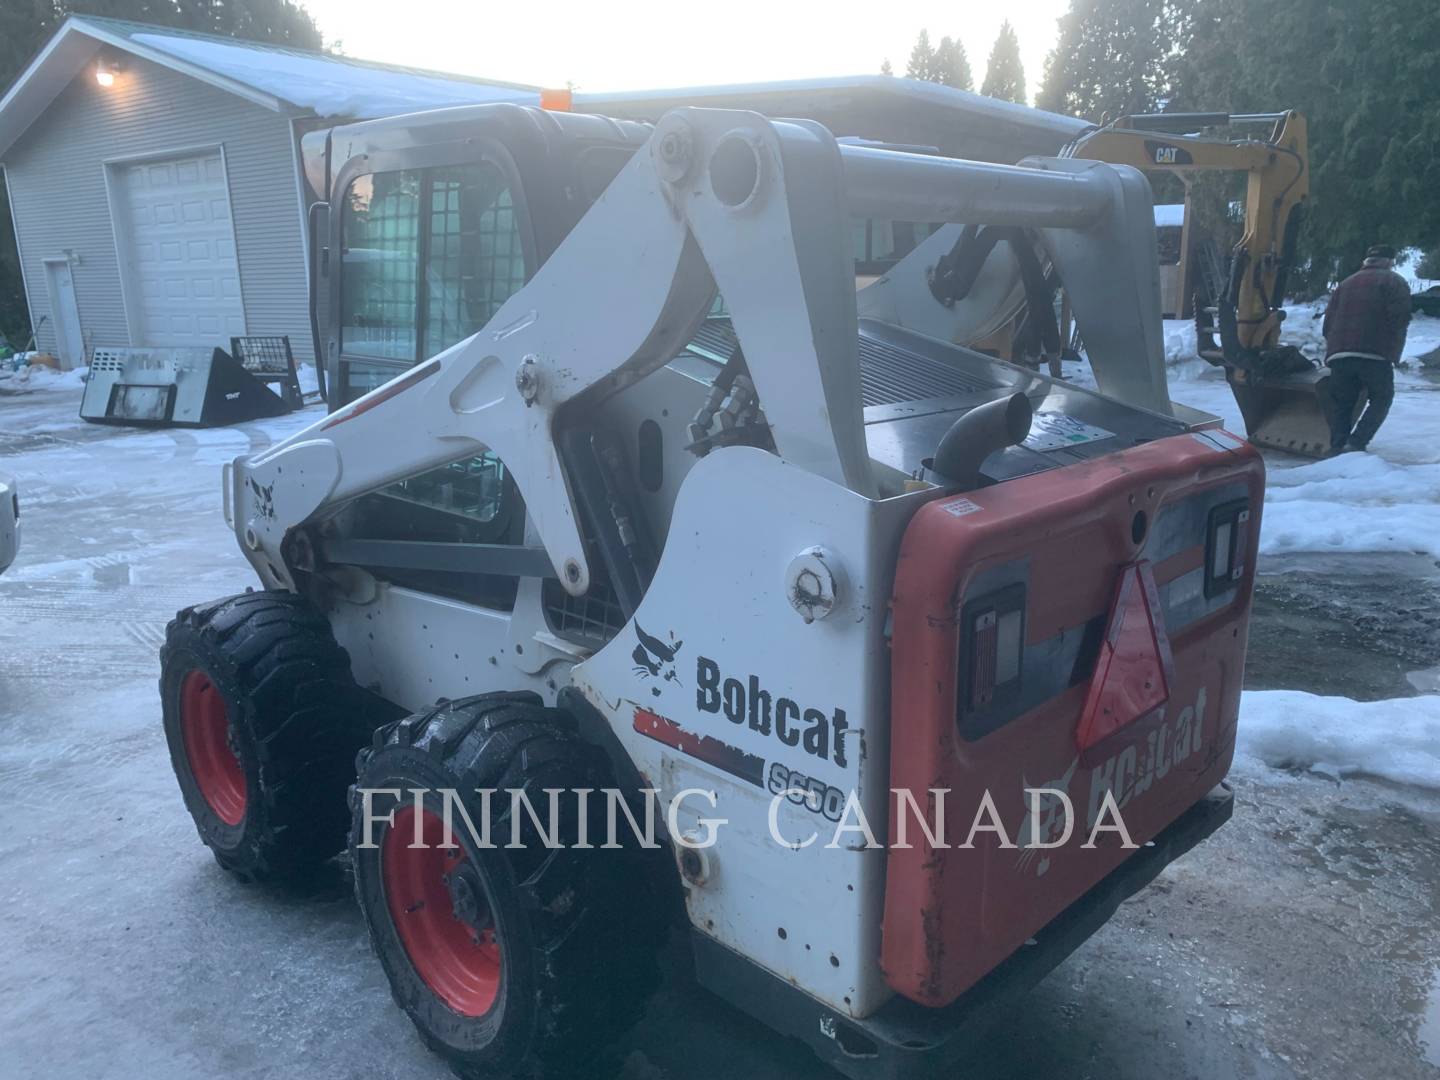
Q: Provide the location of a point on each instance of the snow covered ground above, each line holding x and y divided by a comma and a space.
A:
1299, 942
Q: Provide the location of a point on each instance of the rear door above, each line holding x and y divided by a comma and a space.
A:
1082, 631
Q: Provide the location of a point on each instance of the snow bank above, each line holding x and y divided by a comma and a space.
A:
1302, 329
1386, 500
1354, 502
41, 377
1397, 740
1407, 265
333, 87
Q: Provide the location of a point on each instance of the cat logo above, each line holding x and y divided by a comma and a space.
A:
1167, 153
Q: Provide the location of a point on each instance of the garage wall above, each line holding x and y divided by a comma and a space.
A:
58, 191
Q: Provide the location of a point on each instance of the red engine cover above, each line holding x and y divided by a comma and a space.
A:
1065, 537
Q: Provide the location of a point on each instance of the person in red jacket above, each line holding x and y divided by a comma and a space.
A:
1364, 329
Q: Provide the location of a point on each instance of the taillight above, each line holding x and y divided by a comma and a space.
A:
1226, 542
992, 649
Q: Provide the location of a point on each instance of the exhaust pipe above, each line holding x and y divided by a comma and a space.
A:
978, 434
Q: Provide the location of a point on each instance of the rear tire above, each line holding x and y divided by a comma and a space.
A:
521, 961
263, 721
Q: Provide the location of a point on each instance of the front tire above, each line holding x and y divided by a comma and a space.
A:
263, 721
511, 961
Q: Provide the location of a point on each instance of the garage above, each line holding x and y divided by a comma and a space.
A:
180, 276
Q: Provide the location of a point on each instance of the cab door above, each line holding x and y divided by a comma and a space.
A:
427, 244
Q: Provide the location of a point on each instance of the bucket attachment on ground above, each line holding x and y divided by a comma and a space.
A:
1288, 412
183, 387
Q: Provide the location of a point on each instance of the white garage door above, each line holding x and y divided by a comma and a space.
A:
183, 286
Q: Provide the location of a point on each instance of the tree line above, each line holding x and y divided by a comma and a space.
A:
948, 65
1365, 73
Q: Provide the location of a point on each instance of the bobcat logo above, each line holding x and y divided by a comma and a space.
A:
654, 659
264, 498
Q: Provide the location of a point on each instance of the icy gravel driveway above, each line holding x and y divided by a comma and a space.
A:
1300, 942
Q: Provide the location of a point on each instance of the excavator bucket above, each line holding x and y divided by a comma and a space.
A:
1288, 412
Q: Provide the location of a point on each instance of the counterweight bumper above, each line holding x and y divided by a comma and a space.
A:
906, 1040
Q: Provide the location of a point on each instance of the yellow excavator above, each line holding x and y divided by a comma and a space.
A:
1281, 394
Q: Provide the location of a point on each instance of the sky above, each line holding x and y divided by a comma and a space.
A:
637, 44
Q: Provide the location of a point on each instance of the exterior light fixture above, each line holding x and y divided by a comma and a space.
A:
105, 72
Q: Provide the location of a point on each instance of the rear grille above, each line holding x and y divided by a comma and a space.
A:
716, 337
887, 374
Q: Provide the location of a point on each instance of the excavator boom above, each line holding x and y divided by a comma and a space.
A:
1282, 397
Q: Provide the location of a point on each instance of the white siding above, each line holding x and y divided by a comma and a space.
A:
57, 186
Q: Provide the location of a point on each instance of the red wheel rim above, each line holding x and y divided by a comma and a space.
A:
205, 727
441, 914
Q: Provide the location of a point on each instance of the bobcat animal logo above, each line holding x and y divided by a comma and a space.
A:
264, 498
655, 659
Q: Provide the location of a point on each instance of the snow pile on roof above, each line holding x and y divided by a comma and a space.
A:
332, 87
1169, 215
1398, 739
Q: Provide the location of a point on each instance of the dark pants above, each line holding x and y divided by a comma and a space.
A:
1348, 376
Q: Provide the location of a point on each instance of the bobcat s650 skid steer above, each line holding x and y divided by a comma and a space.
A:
916, 663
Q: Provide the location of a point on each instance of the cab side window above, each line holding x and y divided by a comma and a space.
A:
381, 223
474, 258
427, 258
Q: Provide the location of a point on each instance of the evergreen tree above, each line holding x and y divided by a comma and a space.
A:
885, 68
922, 58
1368, 83
1004, 73
1113, 57
951, 67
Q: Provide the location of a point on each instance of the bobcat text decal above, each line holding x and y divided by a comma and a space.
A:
819, 732
1125, 774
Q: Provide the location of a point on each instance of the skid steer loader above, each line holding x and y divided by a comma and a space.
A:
905, 665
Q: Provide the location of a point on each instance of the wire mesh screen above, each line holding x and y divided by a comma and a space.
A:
380, 265
475, 258
263, 355
592, 619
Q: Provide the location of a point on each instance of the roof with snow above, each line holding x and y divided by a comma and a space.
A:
288, 80
884, 108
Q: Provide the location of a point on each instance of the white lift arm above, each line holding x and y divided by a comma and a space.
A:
716, 198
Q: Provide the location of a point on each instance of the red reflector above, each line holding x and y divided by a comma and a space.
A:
1133, 672
562, 100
